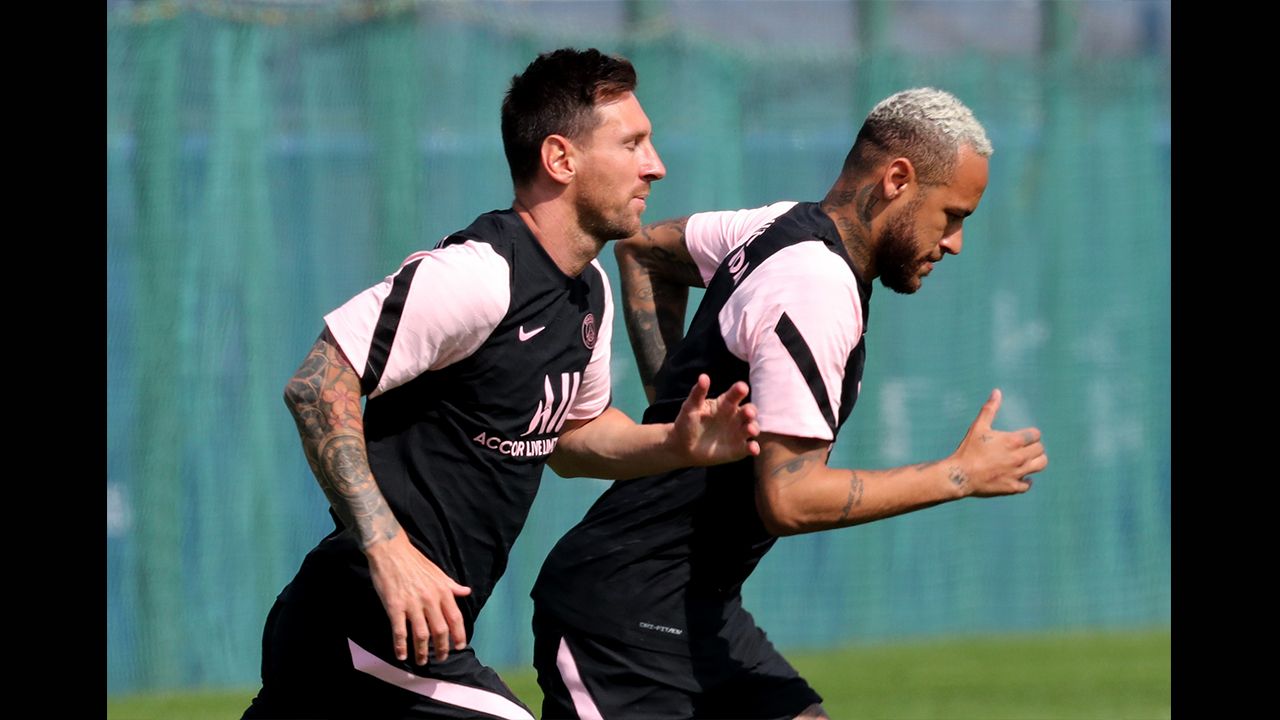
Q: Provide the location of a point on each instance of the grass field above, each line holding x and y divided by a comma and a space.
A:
1111, 676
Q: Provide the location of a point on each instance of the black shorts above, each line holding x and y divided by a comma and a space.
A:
326, 653
584, 676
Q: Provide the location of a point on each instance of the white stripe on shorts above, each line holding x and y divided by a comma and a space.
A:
582, 702
438, 690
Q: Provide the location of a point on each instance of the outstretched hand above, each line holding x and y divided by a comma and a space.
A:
419, 599
718, 430
991, 462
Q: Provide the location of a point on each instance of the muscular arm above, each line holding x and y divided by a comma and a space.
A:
797, 493
706, 432
324, 397
656, 271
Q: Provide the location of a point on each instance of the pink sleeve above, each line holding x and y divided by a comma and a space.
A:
442, 303
594, 395
795, 321
710, 236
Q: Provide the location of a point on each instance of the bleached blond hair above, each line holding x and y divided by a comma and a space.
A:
925, 125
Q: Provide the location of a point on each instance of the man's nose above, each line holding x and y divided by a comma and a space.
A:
652, 168
954, 242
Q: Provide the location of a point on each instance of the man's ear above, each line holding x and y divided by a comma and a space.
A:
559, 160
899, 175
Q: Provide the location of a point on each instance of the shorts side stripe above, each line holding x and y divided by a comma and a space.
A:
438, 690
582, 702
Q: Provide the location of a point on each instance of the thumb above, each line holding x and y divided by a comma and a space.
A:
987, 415
459, 590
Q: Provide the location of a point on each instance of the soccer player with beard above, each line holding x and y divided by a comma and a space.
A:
638, 609
483, 360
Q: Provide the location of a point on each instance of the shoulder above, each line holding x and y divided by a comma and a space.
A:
736, 224
808, 260
803, 280
466, 275
463, 259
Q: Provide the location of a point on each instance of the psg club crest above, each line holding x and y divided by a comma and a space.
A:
589, 331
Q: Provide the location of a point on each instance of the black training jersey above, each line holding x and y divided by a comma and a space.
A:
473, 355
660, 561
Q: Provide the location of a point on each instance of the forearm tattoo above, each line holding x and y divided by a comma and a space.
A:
957, 476
641, 316
655, 294
642, 327
855, 495
327, 412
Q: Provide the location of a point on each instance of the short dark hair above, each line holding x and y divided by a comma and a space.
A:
557, 95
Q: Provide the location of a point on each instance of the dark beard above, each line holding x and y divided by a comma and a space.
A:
597, 226
897, 259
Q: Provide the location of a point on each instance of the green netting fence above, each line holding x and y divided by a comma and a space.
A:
264, 167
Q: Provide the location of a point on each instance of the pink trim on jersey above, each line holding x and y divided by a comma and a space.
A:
458, 296
582, 702
818, 292
438, 690
594, 394
710, 236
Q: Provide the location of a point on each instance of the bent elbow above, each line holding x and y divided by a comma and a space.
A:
783, 527
290, 395
778, 519
567, 464
627, 250
564, 470
298, 392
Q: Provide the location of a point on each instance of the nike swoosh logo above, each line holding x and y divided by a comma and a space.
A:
526, 335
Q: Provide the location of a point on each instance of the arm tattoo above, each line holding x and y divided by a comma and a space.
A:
326, 409
957, 476
797, 467
642, 325
855, 495
655, 283
665, 263
670, 266
344, 458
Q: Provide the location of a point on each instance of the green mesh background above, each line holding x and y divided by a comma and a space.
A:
263, 167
